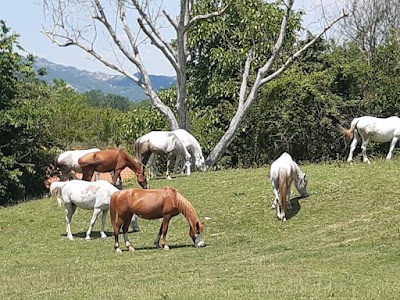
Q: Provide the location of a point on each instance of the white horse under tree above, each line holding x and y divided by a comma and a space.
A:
380, 130
161, 143
94, 196
283, 172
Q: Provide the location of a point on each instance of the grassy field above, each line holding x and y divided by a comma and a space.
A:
342, 242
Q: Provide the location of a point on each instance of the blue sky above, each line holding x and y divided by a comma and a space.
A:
26, 18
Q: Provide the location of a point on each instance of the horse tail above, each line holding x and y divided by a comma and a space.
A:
55, 161
56, 191
283, 192
113, 208
138, 150
350, 132
181, 147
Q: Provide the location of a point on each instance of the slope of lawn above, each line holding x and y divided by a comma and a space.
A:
342, 242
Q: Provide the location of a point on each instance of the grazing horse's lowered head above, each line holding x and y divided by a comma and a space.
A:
283, 172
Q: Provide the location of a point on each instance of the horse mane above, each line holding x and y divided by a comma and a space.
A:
136, 163
185, 207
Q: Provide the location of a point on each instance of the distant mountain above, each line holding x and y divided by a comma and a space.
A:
84, 81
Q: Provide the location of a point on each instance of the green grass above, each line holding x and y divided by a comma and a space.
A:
342, 242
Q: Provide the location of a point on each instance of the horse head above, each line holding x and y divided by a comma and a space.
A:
197, 234
141, 177
200, 162
301, 185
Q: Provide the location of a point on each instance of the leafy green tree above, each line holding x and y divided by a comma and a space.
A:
24, 136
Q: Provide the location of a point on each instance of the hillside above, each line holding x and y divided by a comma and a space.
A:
84, 81
342, 242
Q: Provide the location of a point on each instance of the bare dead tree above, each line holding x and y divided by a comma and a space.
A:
67, 30
371, 22
79, 22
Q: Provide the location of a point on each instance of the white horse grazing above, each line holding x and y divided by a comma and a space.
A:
380, 130
68, 161
193, 146
94, 195
161, 143
283, 172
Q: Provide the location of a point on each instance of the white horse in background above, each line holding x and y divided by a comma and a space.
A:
68, 161
380, 130
161, 143
283, 172
94, 195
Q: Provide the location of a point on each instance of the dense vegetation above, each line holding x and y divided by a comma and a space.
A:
298, 112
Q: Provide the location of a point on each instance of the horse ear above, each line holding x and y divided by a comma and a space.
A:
198, 226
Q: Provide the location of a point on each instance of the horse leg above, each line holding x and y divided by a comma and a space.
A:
165, 225
364, 145
391, 149
103, 223
87, 173
135, 223
116, 176
69, 212
117, 227
96, 213
168, 161
158, 237
276, 194
353, 147
125, 228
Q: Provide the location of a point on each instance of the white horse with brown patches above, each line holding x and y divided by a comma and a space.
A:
283, 172
86, 195
380, 130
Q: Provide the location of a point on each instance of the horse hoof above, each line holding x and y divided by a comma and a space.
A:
71, 238
118, 250
169, 177
103, 235
166, 247
87, 238
131, 249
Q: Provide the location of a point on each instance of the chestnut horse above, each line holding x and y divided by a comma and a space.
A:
111, 160
153, 204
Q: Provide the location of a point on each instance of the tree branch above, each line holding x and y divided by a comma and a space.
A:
243, 86
207, 16
290, 60
165, 45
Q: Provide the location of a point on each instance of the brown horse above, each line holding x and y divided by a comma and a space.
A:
111, 160
153, 204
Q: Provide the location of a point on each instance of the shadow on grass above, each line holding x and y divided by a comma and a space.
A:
147, 248
290, 213
94, 234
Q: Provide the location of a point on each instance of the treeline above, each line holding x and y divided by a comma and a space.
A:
299, 112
